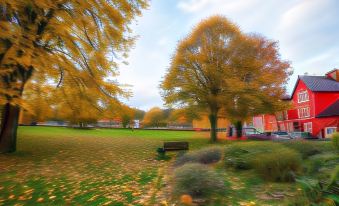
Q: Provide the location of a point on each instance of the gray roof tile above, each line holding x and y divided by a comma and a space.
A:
320, 83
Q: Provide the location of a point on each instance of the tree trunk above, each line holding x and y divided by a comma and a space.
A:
238, 126
276, 120
9, 126
214, 125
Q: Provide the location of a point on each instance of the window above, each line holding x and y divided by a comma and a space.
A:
282, 127
285, 115
303, 96
329, 131
308, 127
304, 112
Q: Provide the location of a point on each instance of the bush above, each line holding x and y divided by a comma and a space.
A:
240, 155
304, 147
198, 181
280, 165
335, 140
204, 156
321, 165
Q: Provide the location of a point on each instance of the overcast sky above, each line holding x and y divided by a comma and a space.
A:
307, 31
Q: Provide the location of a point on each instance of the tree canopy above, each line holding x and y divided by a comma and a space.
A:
219, 70
155, 117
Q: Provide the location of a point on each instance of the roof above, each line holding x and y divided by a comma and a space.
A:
320, 83
333, 70
332, 110
286, 97
317, 84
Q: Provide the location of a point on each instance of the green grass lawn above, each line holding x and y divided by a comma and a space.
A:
63, 166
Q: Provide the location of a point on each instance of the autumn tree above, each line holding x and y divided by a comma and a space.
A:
155, 117
196, 75
62, 39
181, 116
139, 114
39, 100
82, 106
260, 77
210, 67
126, 114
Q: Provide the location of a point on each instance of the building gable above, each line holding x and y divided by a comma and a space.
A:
332, 110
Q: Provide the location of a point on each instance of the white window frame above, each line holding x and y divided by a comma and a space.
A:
308, 127
286, 115
303, 96
304, 112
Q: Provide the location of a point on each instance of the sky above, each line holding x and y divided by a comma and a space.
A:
307, 32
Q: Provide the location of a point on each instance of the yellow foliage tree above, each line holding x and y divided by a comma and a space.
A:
126, 114
260, 78
213, 65
155, 117
73, 43
39, 99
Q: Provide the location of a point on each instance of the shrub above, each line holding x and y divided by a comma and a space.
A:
304, 147
198, 181
240, 155
316, 193
204, 156
335, 140
280, 165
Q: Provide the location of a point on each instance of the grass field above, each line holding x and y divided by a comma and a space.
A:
63, 166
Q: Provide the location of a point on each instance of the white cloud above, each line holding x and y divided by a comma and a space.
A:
208, 6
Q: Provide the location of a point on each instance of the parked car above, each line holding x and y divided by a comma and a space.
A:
304, 135
250, 130
281, 135
261, 136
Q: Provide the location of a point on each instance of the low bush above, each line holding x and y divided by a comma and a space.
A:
198, 181
304, 147
241, 155
335, 140
280, 165
206, 155
321, 165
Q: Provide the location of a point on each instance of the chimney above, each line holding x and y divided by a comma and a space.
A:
333, 74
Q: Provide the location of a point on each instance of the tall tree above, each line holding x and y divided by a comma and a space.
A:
211, 69
196, 77
61, 39
260, 77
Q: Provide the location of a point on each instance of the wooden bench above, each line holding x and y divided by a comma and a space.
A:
173, 146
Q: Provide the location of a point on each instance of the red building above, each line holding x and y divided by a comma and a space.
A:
315, 106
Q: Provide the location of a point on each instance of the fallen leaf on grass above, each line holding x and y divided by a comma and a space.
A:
40, 199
